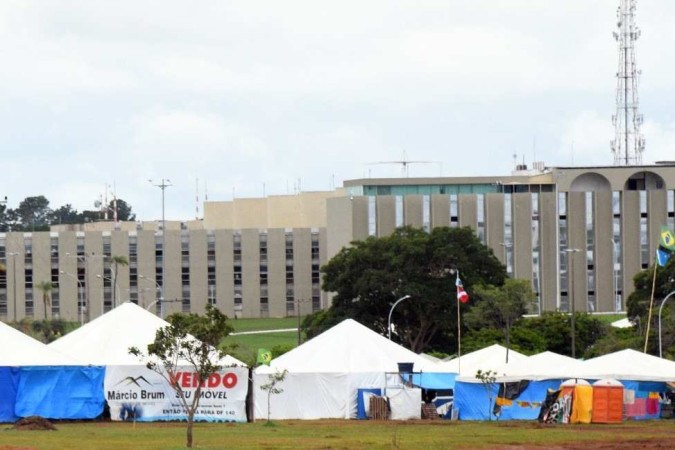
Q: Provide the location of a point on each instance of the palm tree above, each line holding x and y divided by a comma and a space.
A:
117, 261
46, 287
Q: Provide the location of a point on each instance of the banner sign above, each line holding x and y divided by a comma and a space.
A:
140, 394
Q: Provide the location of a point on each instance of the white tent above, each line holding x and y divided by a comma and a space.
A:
629, 365
20, 349
325, 373
105, 341
488, 358
350, 347
542, 366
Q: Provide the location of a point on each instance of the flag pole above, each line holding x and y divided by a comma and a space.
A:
651, 304
459, 333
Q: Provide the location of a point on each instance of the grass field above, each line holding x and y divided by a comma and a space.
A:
344, 434
247, 345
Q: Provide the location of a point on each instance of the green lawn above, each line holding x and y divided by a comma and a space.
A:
273, 323
247, 345
341, 434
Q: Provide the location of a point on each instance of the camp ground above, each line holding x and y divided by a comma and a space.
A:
347, 372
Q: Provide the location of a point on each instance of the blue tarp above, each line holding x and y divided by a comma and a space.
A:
63, 392
528, 404
437, 381
9, 380
472, 402
361, 404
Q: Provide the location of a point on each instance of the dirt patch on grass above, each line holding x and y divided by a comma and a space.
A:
34, 423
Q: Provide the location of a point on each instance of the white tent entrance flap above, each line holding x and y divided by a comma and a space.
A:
137, 393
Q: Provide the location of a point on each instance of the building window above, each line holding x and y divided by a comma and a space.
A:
454, 211
536, 253
400, 216
211, 266
236, 249
426, 213
645, 257
508, 234
563, 300
372, 216
590, 252
480, 216
617, 281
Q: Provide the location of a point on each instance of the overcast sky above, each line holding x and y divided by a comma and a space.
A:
273, 96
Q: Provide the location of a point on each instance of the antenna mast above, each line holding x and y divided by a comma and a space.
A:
628, 143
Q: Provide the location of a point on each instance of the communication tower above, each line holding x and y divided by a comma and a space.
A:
628, 143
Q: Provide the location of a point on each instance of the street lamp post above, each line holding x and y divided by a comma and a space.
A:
113, 299
80, 290
570, 283
161, 296
115, 294
391, 311
165, 183
660, 309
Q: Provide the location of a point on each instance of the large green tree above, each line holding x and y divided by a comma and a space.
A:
188, 339
370, 275
500, 307
34, 213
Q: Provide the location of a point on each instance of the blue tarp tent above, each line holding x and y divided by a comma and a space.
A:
65, 392
471, 401
9, 380
37, 380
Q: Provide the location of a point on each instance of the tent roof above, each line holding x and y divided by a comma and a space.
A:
349, 347
542, 366
20, 349
629, 364
106, 339
488, 358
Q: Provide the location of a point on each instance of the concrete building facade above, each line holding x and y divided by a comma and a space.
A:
577, 233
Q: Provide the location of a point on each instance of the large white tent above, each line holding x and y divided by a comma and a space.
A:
22, 350
106, 340
542, 366
488, 358
325, 373
628, 364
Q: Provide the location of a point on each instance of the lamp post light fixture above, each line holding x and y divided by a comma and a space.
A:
114, 300
391, 311
165, 183
80, 291
660, 309
570, 284
159, 300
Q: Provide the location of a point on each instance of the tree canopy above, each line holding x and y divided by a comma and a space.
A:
35, 214
188, 339
368, 277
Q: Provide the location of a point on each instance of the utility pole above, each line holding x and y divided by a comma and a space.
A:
165, 183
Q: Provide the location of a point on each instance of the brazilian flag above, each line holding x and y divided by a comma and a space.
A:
666, 239
264, 356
